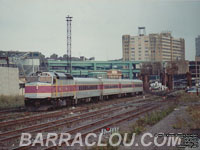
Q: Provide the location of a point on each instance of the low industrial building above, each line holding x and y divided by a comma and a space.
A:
26, 62
129, 70
194, 67
172, 74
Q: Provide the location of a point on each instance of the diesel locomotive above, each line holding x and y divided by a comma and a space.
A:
55, 89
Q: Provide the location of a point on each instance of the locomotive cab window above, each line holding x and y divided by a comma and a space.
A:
45, 78
39, 78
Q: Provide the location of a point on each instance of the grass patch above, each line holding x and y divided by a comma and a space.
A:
149, 120
156, 116
11, 101
194, 112
180, 124
138, 127
186, 97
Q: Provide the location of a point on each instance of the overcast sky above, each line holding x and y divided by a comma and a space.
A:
97, 26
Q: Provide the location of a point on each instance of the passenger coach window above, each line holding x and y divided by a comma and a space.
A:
87, 87
110, 86
127, 86
138, 85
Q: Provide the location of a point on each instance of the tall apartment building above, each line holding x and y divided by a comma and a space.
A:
153, 47
197, 44
135, 48
164, 47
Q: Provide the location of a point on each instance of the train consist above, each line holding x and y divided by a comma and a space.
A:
54, 89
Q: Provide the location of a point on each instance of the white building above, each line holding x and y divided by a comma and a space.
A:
9, 81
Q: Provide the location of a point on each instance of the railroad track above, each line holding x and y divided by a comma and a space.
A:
60, 122
8, 110
53, 124
97, 125
101, 126
38, 117
130, 114
14, 115
25, 120
70, 120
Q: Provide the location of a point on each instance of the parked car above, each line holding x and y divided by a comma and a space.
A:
193, 89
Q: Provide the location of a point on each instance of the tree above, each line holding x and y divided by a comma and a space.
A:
54, 56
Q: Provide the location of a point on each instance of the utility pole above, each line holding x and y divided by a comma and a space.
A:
69, 63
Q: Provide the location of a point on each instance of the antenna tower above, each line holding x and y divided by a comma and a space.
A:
69, 61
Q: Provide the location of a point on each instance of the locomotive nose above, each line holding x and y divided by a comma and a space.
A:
31, 89
28, 85
37, 90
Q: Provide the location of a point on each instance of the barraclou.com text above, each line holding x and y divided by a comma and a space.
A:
66, 139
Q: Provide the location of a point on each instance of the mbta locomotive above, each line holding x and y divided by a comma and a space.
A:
53, 89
